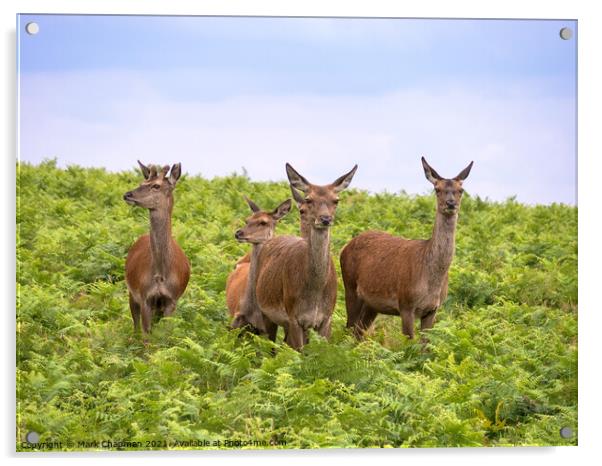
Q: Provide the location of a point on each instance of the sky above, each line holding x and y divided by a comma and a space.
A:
222, 93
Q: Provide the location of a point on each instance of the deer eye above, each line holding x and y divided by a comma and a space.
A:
460, 190
263, 223
336, 201
308, 200
156, 186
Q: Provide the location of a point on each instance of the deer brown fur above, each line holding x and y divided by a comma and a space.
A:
236, 282
296, 282
258, 228
156, 269
387, 274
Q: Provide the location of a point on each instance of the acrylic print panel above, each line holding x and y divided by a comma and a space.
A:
229, 327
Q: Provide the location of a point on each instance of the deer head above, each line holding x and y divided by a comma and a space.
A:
320, 201
260, 226
155, 192
448, 190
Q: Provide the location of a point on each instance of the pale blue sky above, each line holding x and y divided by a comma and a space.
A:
221, 93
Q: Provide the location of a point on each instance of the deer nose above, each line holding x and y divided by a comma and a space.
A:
238, 234
451, 204
127, 195
325, 220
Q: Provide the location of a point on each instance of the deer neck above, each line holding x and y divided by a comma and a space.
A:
318, 243
305, 230
161, 242
441, 246
250, 299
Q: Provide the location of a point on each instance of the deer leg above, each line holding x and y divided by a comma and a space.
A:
325, 328
169, 308
271, 330
407, 320
428, 320
295, 336
147, 314
364, 322
354, 305
135, 309
239, 322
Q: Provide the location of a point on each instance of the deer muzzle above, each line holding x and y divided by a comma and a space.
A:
324, 220
129, 198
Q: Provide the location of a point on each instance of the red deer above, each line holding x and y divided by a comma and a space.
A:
296, 278
258, 229
386, 274
237, 280
156, 268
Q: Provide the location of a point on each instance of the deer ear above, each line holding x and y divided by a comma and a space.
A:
430, 172
176, 171
254, 207
299, 199
296, 180
144, 169
344, 181
464, 173
282, 210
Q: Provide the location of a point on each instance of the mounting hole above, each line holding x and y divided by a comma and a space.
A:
566, 33
32, 437
32, 28
566, 432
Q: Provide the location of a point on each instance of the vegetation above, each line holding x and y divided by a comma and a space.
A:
500, 367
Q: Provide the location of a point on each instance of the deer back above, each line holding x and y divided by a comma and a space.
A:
385, 268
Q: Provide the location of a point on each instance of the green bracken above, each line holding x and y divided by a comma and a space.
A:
499, 369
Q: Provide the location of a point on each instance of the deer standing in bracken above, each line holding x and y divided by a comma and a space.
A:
156, 269
386, 274
237, 280
240, 285
296, 278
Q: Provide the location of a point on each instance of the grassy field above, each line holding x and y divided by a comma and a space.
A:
500, 368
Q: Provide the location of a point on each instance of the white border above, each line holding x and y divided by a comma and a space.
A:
590, 154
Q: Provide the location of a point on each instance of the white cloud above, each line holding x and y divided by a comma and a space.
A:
522, 142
